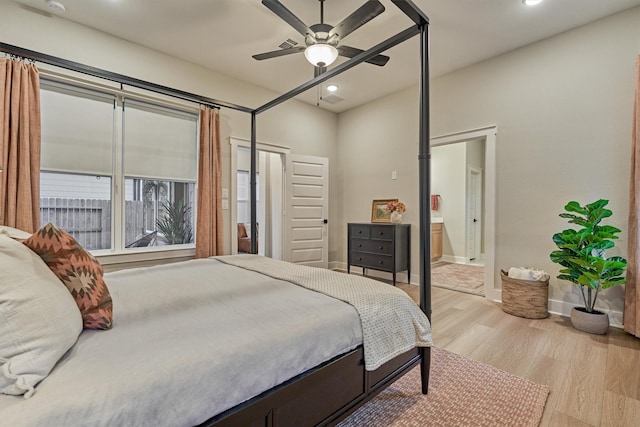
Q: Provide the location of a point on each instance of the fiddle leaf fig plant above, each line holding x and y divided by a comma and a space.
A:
582, 251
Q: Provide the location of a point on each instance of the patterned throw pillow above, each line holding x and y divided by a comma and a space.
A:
78, 270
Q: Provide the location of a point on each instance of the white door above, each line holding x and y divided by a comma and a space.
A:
307, 239
474, 213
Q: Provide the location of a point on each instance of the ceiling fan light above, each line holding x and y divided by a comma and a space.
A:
321, 54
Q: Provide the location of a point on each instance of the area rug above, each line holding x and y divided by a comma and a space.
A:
462, 392
458, 277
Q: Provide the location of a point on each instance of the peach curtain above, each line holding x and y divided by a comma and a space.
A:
632, 293
19, 145
209, 238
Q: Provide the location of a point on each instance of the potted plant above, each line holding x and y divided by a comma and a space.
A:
175, 225
582, 254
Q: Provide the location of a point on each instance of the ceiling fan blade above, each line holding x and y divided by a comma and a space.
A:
278, 8
357, 19
350, 52
281, 52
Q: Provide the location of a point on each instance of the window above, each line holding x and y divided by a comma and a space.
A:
244, 196
160, 166
117, 173
244, 186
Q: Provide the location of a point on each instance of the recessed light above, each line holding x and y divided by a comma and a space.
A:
332, 88
531, 2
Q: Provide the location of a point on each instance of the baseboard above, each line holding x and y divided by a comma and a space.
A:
563, 308
337, 265
453, 259
401, 277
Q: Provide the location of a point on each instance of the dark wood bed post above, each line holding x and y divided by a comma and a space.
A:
253, 195
425, 191
424, 185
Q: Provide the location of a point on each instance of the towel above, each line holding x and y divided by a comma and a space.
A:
434, 202
526, 273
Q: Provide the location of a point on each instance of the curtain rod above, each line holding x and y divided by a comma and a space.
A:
119, 78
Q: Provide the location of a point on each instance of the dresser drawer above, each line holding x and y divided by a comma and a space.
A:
385, 247
377, 262
358, 230
375, 246
380, 232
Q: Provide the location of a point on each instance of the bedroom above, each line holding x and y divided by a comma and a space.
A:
534, 137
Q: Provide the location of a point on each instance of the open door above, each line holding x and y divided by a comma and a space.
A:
474, 214
306, 223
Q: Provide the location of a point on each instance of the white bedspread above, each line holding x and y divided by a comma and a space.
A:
391, 321
189, 340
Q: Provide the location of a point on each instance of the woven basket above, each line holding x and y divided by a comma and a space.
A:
524, 298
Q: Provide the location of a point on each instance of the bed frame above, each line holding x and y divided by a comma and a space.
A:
327, 394
323, 396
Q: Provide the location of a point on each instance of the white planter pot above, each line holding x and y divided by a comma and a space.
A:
593, 323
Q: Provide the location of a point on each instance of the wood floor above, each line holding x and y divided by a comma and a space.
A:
594, 380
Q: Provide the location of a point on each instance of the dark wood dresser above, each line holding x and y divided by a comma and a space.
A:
384, 247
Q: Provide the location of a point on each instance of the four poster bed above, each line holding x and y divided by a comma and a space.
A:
215, 375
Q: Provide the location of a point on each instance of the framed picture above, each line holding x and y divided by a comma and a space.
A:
379, 210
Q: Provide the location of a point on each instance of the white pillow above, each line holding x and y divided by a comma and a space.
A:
39, 320
14, 232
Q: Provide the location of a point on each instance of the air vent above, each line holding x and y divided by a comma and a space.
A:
332, 99
287, 44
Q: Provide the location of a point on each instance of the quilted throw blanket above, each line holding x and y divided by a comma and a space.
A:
391, 321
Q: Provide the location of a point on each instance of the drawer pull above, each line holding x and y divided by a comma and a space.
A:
381, 233
380, 262
380, 247
359, 231
360, 245
359, 259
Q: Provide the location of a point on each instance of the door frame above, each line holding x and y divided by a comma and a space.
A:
233, 186
489, 135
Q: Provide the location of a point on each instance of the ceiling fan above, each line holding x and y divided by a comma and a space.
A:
322, 41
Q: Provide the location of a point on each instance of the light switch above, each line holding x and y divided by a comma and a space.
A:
394, 175
225, 205
225, 193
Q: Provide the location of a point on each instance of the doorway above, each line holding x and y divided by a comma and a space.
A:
466, 241
292, 203
270, 179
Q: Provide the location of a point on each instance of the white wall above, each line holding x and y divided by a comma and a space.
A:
448, 179
304, 128
563, 108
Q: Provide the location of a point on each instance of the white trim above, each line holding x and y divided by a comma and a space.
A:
233, 190
143, 254
489, 134
453, 259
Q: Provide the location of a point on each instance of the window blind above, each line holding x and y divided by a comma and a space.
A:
159, 142
77, 130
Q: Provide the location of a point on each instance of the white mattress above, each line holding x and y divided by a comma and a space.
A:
189, 341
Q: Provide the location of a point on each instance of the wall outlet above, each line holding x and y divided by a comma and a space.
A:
394, 175
225, 193
225, 205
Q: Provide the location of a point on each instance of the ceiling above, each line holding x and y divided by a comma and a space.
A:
223, 34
